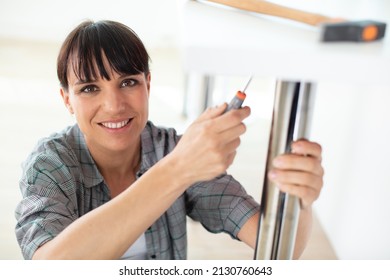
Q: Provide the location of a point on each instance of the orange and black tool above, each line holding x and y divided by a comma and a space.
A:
238, 99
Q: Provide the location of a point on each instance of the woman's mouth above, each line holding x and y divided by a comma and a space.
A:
115, 125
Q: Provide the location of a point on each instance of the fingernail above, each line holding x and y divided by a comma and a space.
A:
220, 106
272, 174
277, 162
295, 148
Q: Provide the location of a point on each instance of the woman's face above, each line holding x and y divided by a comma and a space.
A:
110, 113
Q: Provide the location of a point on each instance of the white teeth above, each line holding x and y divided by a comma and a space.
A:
115, 125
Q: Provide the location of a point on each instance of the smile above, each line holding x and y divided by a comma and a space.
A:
115, 125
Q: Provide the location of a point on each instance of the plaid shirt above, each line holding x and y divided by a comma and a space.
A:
61, 182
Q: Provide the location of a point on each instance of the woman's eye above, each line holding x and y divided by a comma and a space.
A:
89, 89
129, 83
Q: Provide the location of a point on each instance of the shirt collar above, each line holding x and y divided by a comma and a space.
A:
148, 154
91, 174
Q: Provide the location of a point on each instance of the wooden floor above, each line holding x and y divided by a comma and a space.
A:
204, 245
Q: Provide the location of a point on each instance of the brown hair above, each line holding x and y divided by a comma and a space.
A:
88, 42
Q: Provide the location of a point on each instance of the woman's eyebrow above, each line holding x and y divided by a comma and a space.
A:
82, 82
127, 75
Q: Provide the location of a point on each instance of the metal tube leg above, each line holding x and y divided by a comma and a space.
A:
290, 217
280, 212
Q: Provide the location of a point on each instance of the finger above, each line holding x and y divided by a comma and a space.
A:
232, 145
296, 178
230, 158
298, 163
305, 147
306, 194
231, 118
212, 112
234, 132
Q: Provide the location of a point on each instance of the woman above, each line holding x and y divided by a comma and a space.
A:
116, 186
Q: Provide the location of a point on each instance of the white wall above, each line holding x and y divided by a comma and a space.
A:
352, 124
154, 21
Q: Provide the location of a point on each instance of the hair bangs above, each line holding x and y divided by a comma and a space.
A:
98, 49
86, 59
123, 52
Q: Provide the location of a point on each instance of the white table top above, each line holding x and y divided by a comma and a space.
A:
224, 41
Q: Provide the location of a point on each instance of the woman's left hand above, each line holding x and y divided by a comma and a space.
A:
300, 173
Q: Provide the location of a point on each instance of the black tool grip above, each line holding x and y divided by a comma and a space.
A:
355, 31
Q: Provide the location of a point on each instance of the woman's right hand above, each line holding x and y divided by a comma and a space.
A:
208, 146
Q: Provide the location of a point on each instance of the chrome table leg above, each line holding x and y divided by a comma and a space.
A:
278, 223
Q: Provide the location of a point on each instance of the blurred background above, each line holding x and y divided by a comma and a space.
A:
351, 123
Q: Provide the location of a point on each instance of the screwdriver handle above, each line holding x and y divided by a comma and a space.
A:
236, 102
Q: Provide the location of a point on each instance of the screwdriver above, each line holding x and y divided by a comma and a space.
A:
239, 98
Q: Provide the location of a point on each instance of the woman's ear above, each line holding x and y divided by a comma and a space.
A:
65, 98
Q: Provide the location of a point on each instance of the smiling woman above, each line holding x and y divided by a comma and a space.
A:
117, 180
103, 69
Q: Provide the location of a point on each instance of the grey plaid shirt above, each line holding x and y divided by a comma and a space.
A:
60, 183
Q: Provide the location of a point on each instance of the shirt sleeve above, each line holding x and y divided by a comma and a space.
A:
220, 205
48, 204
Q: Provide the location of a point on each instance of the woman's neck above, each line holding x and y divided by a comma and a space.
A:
118, 168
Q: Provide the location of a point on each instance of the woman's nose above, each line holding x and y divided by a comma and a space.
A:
114, 101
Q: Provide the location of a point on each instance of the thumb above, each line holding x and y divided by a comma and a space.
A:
213, 112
